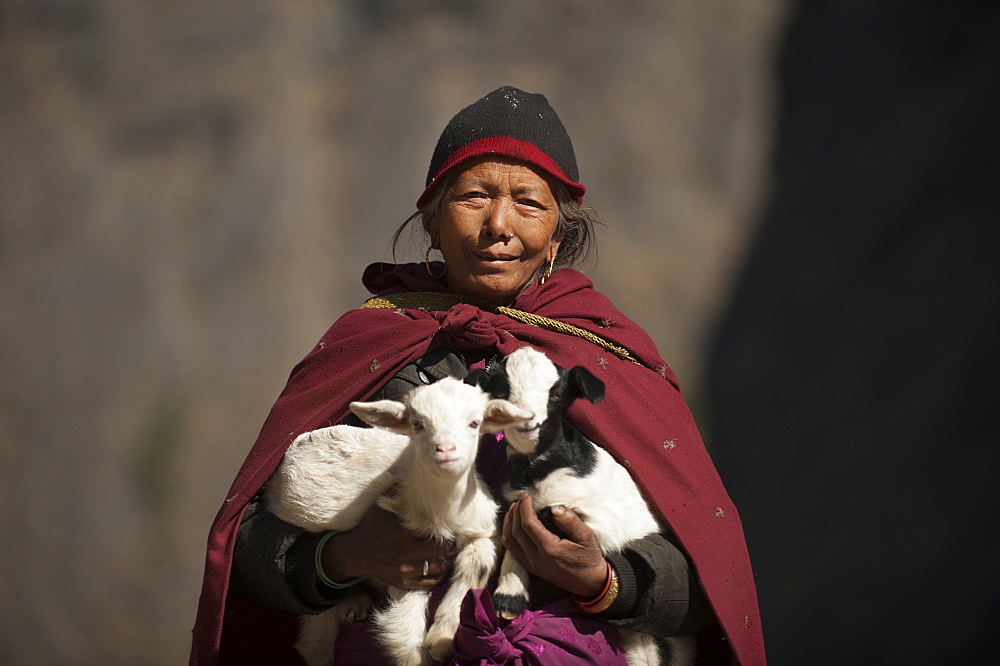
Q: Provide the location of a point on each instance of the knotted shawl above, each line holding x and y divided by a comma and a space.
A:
643, 422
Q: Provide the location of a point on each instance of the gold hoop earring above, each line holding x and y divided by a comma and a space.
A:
548, 271
427, 265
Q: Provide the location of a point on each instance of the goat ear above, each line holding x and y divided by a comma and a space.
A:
501, 413
387, 414
583, 384
479, 378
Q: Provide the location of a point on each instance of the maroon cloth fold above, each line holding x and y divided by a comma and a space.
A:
643, 422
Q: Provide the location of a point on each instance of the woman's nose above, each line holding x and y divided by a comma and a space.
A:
499, 219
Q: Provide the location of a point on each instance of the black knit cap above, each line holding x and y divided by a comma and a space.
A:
512, 123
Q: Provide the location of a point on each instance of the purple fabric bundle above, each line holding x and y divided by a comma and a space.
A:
557, 634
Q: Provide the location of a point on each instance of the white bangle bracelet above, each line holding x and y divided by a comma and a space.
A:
326, 580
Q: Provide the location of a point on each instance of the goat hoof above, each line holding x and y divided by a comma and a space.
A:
356, 608
357, 616
439, 649
509, 606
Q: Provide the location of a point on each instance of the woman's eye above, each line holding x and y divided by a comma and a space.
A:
530, 202
474, 194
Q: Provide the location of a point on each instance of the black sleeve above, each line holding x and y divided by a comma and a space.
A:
658, 591
275, 564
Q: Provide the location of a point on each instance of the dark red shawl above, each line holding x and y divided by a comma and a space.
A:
643, 422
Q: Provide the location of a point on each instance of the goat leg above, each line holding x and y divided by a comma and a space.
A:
473, 565
401, 626
511, 596
318, 633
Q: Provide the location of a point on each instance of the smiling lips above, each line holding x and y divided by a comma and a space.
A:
494, 257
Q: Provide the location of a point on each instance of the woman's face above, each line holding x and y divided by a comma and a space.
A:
496, 226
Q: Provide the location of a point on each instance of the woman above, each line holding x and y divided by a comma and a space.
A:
503, 206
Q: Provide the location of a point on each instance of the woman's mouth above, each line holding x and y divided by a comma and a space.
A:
495, 258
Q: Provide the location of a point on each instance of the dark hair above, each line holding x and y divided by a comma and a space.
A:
576, 224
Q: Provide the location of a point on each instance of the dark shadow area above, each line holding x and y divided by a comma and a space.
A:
853, 376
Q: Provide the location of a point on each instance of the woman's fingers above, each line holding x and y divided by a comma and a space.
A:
424, 574
537, 533
520, 530
435, 567
415, 574
574, 563
421, 566
380, 547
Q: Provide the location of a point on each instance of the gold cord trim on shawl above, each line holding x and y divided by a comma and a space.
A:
433, 301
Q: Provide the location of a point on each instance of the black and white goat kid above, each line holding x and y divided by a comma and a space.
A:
556, 465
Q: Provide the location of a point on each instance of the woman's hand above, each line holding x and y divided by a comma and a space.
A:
380, 547
575, 563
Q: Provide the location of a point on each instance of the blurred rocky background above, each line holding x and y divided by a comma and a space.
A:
794, 198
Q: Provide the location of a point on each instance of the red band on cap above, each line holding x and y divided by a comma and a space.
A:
508, 147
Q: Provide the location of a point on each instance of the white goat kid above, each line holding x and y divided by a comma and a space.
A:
437, 494
558, 466
330, 477
328, 480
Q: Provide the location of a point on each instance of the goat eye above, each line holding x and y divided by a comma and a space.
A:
418, 426
475, 424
